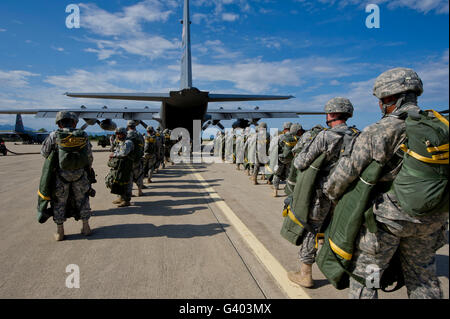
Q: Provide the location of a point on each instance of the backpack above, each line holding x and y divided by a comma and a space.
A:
72, 149
421, 185
138, 142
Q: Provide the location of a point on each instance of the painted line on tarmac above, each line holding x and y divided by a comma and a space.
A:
259, 250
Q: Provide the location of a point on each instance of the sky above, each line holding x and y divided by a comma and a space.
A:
313, 50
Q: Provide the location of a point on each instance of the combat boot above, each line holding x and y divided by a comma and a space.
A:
117, 201
140, 193
149, 180
302, 277
275, 192
124, 204
255, 180
86, 230
59, 236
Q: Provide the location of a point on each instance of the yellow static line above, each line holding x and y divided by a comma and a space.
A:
265, 257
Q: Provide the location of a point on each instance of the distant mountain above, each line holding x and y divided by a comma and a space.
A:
9, 127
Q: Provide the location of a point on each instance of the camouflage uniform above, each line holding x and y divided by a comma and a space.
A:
303, 142
416, 238
329, 142
138, 168
123, 149
167, 145
77, 180
150, 154
262, 147
286, 143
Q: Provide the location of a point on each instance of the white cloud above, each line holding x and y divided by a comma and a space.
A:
2, 30
128, 21
257, 76
230, 17
16, 79
424, 6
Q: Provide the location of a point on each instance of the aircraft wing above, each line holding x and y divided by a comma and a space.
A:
254, 114
243, 97
100, 113
156, 97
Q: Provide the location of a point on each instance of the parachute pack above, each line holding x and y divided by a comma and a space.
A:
72, 149
298, 203
138, 151
421, 186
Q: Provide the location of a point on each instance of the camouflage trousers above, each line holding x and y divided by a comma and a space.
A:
281, 174
138, 174
417, 244
149, 165
80, 186
321, 207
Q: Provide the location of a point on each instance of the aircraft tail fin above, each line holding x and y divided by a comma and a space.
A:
19, 124
186, 62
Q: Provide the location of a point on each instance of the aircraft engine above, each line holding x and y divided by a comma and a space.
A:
108, 125
90, 121
241, 123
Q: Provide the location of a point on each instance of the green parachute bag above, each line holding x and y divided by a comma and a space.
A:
138, 150
46, 192
297, 205
72, 149
293, 171
421, 186
335, 256
119, 176
46, 188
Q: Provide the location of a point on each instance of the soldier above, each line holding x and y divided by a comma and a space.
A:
150, 153
160, 149
71, 177
123, 151
305, 139
137, 155
239, 149
286, 143
274, 151
337, 110
167, 147
262, 147
416, 238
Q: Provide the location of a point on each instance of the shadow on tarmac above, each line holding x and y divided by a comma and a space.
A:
150, 230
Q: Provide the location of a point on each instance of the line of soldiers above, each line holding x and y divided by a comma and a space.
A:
347, 152
261, 154
145, 155
69, 177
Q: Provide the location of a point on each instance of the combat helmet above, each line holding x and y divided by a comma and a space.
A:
396, 81
287, 125
339, 105
295, 128
262, 125
66, 115
150, 129
132, 123
121, 130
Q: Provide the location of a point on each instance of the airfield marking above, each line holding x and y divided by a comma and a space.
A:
259, 250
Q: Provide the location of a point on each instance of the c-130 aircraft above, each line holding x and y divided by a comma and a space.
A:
178, 108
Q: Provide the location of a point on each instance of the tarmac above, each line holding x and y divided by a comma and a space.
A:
201, 231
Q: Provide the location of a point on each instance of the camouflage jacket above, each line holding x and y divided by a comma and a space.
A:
50, 145
327, 141
150, 147
380, 142
123, 148
288, 142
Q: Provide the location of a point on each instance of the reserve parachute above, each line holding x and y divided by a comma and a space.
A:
72, 149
